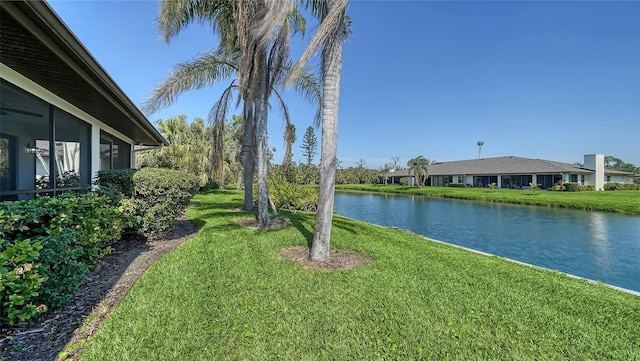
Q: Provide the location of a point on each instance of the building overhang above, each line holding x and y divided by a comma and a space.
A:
37, 44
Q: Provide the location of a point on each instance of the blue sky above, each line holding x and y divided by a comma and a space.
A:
536, 79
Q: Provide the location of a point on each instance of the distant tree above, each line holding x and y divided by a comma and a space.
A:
309, 146
419, 167
614, 163
289, 139
360, 170
395, 162
384, 171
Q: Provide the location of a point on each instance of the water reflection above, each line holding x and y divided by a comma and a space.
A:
600, 240
595, 245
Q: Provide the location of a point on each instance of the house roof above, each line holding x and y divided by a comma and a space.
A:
505, 166
36, 43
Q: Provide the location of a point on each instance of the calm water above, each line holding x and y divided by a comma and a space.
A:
594, 245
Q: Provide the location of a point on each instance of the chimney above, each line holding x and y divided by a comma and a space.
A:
595, 162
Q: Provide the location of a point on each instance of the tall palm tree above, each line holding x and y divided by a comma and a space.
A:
419, 166
289, 139
260, 57
331, 33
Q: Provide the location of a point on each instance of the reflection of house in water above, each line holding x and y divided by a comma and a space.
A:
62, 117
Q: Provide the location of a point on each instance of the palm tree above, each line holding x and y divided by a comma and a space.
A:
480, 144
289, 139
259, 62
419, 166
331, 33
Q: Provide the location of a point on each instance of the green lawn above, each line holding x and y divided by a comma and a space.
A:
227, 295
611, 201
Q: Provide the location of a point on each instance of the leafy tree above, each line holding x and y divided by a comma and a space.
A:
419, 166
309, 148
309, 145
614, 163
190, 148
360, 171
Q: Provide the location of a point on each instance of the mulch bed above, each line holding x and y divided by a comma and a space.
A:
44, 337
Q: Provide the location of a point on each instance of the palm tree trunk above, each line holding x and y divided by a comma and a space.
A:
248, 155
262, 144
331, 69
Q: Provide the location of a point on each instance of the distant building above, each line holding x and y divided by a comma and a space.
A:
517, 172
62, 117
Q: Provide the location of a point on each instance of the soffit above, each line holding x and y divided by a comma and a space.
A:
59, 68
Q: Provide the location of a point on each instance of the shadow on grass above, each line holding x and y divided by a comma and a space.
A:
297, 222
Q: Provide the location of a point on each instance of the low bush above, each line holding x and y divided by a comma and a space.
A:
571, 187
587, 188
48, 244
209, 186
291, 196
117, 179
621, 186
162, 195
457, 185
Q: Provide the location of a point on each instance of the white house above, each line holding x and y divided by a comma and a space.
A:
518, 172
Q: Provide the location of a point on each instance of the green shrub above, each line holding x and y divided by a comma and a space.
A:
209, 186
117, 179
571, 187
287, 195
47, 246
612, 186
162, 196
457, 185
587, 188
20, 278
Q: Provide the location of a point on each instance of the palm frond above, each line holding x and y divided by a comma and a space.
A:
218, 112
208, 68
332, 28
175, 15
283, 108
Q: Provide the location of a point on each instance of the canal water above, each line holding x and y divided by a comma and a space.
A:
594, 245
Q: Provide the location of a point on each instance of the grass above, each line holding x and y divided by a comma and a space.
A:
227, 295
611, 201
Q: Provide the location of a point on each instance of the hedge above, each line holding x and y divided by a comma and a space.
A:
162, 195
48, 244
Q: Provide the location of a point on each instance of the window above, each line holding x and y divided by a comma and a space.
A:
29, 159
484, 181
573, 178
548, 180
516, 181
114, 152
